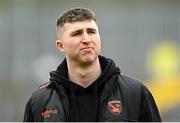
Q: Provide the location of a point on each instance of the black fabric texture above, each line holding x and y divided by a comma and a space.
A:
148, 110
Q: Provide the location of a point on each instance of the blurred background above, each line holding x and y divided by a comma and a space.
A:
142, 36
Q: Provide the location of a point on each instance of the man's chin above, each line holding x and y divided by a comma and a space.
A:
88, 59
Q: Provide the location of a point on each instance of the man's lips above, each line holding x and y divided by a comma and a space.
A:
86, 48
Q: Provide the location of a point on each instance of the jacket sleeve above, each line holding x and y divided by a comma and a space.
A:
28, 114
149, 111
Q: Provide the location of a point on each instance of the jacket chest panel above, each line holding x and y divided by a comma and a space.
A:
54, 110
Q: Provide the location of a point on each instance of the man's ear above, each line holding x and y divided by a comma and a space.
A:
59, 45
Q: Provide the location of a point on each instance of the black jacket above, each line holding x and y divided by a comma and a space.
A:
119, 97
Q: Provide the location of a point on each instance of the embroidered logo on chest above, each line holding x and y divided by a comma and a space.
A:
115, 107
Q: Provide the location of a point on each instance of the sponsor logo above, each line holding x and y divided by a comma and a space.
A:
115, 107
49, 112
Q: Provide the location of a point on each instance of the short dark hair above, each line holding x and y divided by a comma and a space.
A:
74, 15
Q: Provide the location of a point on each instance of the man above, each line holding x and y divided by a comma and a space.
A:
87, 86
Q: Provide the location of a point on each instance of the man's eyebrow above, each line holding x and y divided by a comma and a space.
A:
80, 30
91, 29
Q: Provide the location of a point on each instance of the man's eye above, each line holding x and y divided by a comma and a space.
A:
91, 32
76, 33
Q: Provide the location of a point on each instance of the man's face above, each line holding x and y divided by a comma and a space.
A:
80, 41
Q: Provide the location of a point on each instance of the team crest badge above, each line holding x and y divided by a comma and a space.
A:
115, 107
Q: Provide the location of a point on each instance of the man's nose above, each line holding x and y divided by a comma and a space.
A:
86, 38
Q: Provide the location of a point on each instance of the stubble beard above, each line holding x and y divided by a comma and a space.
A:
87, 59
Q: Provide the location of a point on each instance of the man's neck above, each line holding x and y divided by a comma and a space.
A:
84, 76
